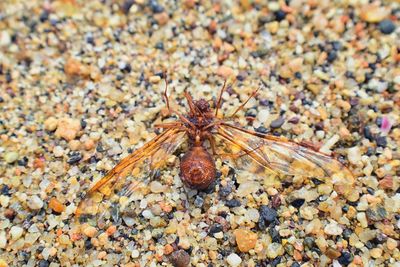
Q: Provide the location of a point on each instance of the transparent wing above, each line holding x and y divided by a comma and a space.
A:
264, 155
130, 173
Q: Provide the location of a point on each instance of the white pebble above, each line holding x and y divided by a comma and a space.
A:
147, 214
253, 214
16, 232
326, 148
333, 229
247, 188
135, 254
58, 151
234, 260
362, 218
35, 203
3, 239
263, 115
4, 200
354, 155
377, 85
157, 187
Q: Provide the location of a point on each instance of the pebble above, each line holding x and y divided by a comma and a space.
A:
135, 254
35, 203
387, 26
362, 218
267, 214
376, 253
275, 124
11, 157
68, 128
274, 250
224, 71
373, 13
245, 239
3, 239
333, 229
58, 151
247, 188
89, 231
180, 258
155, 79
391, 243
354, 155
157, 187
16, 232
50, 124
233, 260
199, 202
56, 205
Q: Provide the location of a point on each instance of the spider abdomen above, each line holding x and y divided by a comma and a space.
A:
197, 168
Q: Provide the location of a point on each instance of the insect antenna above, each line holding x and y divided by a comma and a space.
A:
171, 111
245, 102
217, 107
165, 92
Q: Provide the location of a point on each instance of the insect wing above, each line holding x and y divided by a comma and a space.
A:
130, 174
264, 155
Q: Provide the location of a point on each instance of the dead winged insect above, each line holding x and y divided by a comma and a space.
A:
249, 151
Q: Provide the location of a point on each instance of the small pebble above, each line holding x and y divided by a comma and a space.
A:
58, 151
333, 229
180, 258
56, 205
245, 239
89, 231
275, 124
35, 203
11, 157
68, 128
376, 253
233, 260
16, 232
387, 26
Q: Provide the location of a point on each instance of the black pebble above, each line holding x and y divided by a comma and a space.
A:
368, 134
232, 203
267, 214
336, 45
44, 16
387, 26
5, 190
88, 244
74, 158
347, 233
43, 263
276, 238
276, 261
127, 5
275, 124
215, 228
280, 15
297, 203
155, 6
159, 45
332, 55
298, 75
381, 141
346, 258
225, 191
262, 130
295, 264
199, 201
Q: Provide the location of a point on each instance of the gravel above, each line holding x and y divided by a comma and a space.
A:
81, 88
